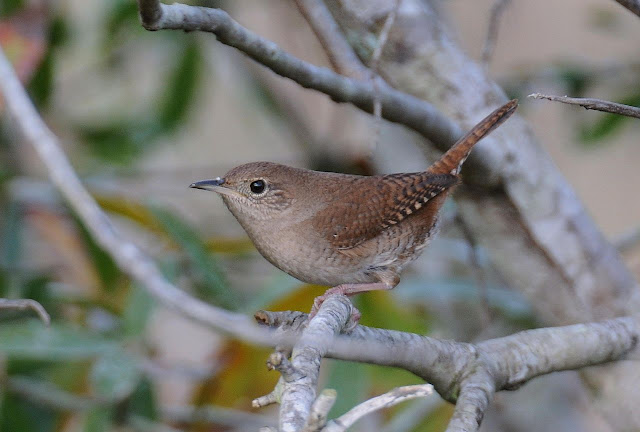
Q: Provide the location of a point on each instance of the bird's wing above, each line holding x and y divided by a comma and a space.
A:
373, 204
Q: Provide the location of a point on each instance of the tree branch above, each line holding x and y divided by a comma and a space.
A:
215, 415
377, 403
470, 374
24, 304
498, 8
632, 5
127, 255
592, 104
375, 59
397, 107
300, 376
340, 53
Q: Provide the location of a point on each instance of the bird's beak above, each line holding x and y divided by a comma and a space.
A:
212, 185
215, 185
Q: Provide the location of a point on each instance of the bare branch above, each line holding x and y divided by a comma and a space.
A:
476, 393
470, 374
301, 375
340, 53
126, 254
215, 415
593, 104
397, 107
627, 240
498, 8
632, 5
377, 403
320, 410
375, 59
478, 271
24, 304
271, 398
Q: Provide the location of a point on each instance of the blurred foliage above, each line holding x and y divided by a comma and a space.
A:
123, 140
9, 7
41, 85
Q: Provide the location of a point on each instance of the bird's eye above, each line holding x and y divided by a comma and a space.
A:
258, 186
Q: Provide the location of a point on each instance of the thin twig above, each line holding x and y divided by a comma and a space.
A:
214, 415
632, 5
377, 403
375, 60
341, 55
498, 8
24, 304
593, 104
320, 410
47, 394
478, 271
627, 240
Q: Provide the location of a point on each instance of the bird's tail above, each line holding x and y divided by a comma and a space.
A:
452, 160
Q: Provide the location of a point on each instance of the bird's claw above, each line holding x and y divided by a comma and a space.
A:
354, 318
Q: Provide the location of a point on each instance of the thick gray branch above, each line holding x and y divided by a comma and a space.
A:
470, 374
301, 375
296, 389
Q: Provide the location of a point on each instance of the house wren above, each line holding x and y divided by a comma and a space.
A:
354, 233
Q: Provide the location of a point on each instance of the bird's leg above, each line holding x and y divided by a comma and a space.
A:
348, 290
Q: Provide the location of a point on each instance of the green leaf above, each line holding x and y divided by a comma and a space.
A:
213, 286
142, 402
181, 87
32, 340
41, 85
58, 32
8, 7
115, 375
106, 267
18, 414
99, 420
123, 16
137, 312
576, 80
113, 142
11, 243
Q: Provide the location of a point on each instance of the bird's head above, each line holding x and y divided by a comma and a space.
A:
255, 191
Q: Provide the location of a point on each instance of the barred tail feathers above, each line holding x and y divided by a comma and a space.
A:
451, 162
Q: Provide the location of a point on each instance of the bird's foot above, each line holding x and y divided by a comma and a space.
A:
347, 290
354, 318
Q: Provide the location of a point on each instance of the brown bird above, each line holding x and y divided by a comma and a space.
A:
354, 233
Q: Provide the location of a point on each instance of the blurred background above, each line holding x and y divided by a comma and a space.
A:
143, 114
